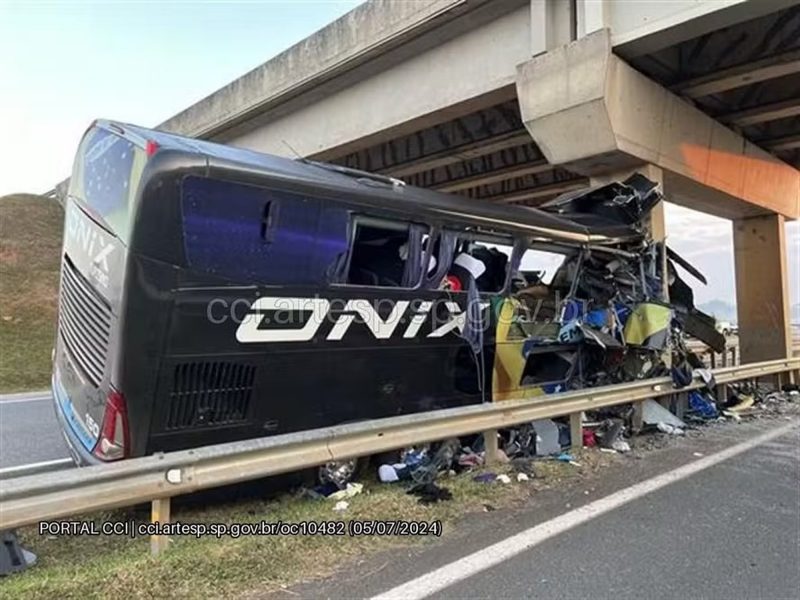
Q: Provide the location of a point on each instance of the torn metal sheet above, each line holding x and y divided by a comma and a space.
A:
653, 414
603, 317
687, 266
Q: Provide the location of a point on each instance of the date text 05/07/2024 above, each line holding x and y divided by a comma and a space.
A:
134, 529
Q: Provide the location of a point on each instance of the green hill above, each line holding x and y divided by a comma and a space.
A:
30, 246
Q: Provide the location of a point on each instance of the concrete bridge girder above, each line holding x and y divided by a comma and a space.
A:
590, 112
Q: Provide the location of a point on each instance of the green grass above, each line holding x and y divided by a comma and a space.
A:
30, 245
98, 567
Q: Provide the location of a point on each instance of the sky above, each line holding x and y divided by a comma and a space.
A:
63, 64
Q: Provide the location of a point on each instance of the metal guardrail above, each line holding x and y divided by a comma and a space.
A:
26, 500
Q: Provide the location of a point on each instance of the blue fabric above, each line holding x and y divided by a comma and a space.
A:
702, 405
597, 318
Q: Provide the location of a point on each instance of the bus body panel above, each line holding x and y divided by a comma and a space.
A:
178, 254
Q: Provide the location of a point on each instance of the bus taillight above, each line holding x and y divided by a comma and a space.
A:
114, 439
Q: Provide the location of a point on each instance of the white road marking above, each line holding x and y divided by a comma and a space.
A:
35, 468
22, 398
495, 554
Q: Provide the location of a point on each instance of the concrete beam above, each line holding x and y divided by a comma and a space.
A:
738, 76
639, 27
762, 295
763, 114
368, 31
460, 153
787, 142
591, 112
465, 183
543, 191
468, 73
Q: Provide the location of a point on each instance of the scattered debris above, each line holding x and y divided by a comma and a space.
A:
589, 439
669, 429
703, 404
392, 473
503, 478
654, 414
524, 465
485, 477
430, 493
744, 402
339, 472
352, 489
619, 445
547, 437
522, 477
341, 506
609, 432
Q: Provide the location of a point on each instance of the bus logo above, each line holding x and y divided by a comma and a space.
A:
316, 310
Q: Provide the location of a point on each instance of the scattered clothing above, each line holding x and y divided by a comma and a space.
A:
352, 489
387, 474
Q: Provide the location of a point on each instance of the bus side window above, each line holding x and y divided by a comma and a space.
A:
385, 253
485, 261
256, 235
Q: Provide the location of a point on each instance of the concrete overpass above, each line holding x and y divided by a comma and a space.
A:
516, 101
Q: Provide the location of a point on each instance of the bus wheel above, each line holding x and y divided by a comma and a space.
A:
339, 472
403, 454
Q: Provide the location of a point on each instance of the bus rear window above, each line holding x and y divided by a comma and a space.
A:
104, 178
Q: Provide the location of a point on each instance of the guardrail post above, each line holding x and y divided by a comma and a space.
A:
722, 390
637, 418
159, 513
681, 404
490, 446
576, 431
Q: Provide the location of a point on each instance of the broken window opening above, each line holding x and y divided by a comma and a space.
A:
386, 254
481, 258
544, 282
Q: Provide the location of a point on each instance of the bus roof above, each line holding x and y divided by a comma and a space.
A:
367, 189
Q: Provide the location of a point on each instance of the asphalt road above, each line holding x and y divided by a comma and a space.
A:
29, 431
729, 531
732, 531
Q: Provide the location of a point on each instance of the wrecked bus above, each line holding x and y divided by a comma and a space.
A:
211, 294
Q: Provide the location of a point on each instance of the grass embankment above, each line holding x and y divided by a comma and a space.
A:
102, 566
30, 245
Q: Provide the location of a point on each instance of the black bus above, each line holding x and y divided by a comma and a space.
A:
211, 294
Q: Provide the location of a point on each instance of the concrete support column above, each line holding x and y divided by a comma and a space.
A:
762, 290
